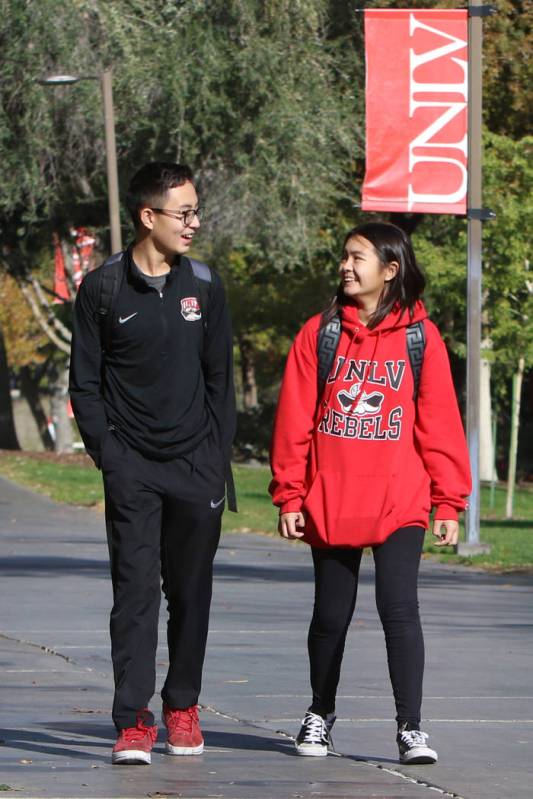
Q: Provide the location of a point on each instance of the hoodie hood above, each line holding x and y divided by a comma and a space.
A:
397, 318
356, 336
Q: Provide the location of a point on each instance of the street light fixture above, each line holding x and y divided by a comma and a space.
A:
110, 145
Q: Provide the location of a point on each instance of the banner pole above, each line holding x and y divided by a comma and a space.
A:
474, 234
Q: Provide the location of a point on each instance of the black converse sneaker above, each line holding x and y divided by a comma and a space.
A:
413, 748
314, 737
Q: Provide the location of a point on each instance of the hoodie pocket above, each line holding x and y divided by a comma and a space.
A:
349, 510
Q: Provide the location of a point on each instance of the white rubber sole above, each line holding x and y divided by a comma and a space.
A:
311, 750
131, 757
419, 757
184, 750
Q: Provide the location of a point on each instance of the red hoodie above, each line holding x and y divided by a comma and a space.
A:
367, 460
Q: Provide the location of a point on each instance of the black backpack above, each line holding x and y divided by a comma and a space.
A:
112, 275
328, 340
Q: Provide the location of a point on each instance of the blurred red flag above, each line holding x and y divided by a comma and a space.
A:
81, 256
60, 278
81, 253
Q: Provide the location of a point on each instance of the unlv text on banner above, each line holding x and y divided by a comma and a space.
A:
416, 111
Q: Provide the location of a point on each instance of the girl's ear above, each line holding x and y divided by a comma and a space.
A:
391, 270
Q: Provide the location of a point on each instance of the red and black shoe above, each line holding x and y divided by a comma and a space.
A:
184, 733
134, 745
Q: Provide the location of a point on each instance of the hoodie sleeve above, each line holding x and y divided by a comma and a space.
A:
438, 431
294, 422
86, 367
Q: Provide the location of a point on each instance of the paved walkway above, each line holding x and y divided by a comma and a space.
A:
55, 682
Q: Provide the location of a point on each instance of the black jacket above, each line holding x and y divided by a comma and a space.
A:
160, 385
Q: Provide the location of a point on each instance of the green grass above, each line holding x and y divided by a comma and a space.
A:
256, 512
79, 483
511, 540
74, 483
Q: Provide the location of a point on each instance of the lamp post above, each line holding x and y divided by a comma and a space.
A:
110, 145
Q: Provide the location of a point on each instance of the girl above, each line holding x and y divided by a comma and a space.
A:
360, 461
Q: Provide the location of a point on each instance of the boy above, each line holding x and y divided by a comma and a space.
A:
156, 412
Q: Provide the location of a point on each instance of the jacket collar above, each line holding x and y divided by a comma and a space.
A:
132, 270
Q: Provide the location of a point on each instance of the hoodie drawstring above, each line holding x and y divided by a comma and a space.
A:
367, 373
331, 386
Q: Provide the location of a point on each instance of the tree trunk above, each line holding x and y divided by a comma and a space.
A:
249, 385
513, 446
486, 444
29, 387
58, 408
8, 435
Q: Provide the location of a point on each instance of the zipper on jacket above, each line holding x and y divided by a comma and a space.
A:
164, 318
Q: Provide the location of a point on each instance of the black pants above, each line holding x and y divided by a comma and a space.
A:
336, 577
163, 521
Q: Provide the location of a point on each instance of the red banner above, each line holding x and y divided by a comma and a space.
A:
60, 277
416, 110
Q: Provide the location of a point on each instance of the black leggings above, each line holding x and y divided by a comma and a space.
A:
336, 578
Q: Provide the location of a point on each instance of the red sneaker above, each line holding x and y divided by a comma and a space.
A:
184, 733
134, 745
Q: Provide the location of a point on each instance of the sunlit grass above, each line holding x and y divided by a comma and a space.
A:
81, 484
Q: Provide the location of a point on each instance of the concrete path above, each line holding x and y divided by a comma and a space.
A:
56, 686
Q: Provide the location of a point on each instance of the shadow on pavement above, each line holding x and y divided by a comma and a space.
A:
97, 736
43, 743
22, 566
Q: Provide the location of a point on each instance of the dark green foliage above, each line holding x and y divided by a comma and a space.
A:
265, 100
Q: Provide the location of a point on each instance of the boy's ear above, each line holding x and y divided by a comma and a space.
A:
146, 217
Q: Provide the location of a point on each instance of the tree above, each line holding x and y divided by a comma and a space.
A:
263, 99
257, 105
8, 436
507, 270
25, 347
253, 100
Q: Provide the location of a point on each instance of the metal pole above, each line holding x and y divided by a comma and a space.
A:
111, 160
473, 363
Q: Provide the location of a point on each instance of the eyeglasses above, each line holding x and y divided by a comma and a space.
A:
183, 216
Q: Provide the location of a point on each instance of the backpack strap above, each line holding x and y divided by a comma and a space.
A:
416, 344
111, 274
203, 277
327, 342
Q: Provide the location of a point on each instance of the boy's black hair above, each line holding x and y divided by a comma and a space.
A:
148, 187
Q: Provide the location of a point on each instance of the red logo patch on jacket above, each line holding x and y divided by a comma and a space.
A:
190, 309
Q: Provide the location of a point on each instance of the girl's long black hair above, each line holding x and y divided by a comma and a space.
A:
404, 290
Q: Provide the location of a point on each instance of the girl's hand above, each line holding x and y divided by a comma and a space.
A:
447, 531
291, 525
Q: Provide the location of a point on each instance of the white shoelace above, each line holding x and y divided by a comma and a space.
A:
414, 737
315, 728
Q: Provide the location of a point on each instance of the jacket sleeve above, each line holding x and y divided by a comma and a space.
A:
294, 422
438, 431
86, 367
218, 368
